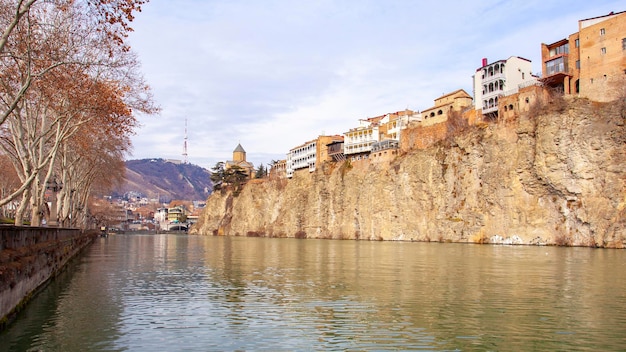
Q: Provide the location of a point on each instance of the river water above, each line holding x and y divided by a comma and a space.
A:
205, 293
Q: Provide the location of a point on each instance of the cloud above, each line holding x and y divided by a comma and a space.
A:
274, 74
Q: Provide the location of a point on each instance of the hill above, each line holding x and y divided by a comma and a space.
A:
158, 178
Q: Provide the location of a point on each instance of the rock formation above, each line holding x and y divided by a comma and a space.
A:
554, 176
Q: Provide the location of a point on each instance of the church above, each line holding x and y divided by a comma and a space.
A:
239, 159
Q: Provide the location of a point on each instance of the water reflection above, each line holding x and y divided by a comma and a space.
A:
168, 292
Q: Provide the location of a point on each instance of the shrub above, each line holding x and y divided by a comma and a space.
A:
562, 240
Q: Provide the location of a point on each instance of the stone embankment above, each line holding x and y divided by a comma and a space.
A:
553, 176
29, 257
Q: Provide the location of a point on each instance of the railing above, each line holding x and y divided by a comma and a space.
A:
386, 144
496, 76
491, 109
359, 149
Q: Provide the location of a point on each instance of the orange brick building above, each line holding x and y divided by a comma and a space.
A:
590, 62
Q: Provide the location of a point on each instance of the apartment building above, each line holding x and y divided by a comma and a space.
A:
590, 62
392, 123
358, 141
502, 77
373, 133
309, 155
176, 214
278, 169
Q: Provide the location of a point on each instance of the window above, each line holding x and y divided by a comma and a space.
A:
562, 49
577, 43
602, 31
522, 75
623, 43
578, 64
556, 65
603, 51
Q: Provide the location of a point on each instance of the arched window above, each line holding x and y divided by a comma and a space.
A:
439, 112
510, 106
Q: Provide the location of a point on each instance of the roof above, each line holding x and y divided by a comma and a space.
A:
503, 61
239, 149
462, 91
597, 17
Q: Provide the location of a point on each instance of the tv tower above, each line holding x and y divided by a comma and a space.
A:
185, 144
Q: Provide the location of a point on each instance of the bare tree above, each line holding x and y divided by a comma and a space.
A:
90, 79
110, 17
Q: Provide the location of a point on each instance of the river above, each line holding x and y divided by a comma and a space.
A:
205, 293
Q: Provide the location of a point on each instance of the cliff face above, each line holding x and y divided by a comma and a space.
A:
557, 177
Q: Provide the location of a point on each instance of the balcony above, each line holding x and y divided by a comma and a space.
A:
496, 76
558, 65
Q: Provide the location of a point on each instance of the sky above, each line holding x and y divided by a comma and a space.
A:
273, 74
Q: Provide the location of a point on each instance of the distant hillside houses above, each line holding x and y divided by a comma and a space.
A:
590, 63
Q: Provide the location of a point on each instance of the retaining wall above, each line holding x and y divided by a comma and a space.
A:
29, 257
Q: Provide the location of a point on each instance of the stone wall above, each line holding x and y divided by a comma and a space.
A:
421, 137
29, 257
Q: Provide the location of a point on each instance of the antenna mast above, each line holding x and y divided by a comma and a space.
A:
185, 144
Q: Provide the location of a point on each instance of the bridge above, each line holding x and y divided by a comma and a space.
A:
175, 226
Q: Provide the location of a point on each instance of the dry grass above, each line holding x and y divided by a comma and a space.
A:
562, 240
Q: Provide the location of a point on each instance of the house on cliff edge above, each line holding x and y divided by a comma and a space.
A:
590, 62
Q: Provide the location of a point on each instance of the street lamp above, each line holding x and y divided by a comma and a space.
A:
55, 187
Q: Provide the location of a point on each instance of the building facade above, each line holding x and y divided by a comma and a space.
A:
278, 169
493, 80
444, 105
309, 155
591, 62
358, 141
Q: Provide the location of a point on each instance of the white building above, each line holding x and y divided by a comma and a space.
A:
500, 78
302, 156
359, 140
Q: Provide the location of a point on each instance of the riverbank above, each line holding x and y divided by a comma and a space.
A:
29, 258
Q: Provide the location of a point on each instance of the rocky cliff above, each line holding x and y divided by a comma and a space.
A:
553, 176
